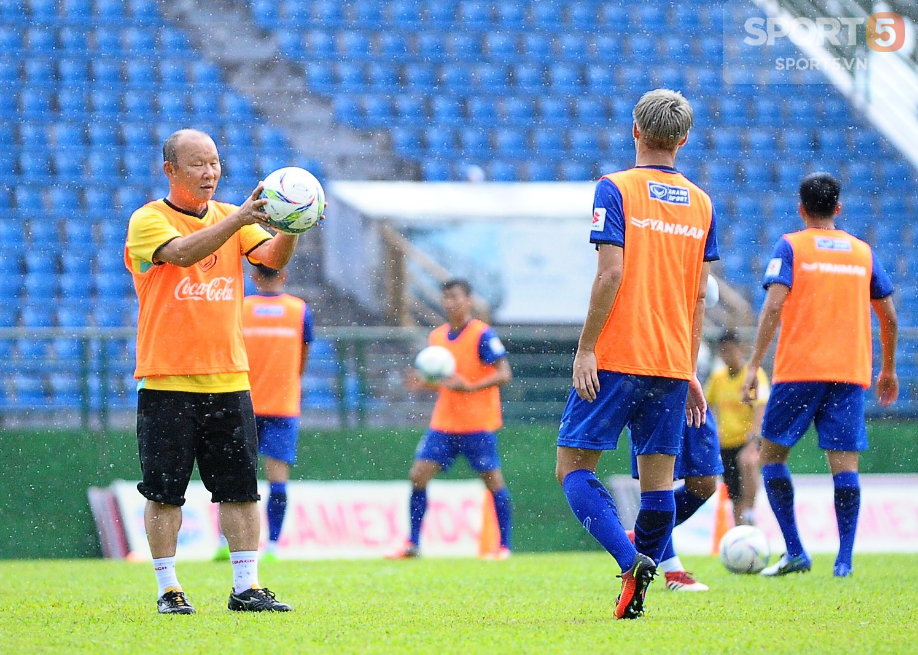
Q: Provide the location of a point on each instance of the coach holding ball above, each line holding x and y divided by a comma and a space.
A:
185, 254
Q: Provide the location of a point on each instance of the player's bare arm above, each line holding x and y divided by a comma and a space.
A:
189, 250
887, 381
696, 406
606, 284
768, 326
501, 376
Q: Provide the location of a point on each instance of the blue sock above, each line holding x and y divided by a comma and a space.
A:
418, 507
847, 506
504, 510
277, 508
780, 491
653, 529
687, 504
594, 508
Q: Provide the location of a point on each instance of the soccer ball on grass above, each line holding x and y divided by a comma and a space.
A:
745, 549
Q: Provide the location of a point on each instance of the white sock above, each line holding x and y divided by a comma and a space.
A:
671, 565
271, 547
164, 568
245, 570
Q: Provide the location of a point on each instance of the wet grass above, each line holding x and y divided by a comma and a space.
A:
539, 603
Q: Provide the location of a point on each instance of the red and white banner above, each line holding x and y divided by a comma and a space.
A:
326, 520
888, 521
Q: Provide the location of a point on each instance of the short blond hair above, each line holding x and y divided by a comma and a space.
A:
663, 118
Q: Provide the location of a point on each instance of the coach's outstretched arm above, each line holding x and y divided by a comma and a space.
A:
887, 381
768, 325
189, 250
696, 406
610, 265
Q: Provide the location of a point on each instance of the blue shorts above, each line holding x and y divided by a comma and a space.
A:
277, 437
479, 448
652, 407
836, 408
700, 456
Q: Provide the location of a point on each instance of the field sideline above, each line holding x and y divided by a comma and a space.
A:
537, 603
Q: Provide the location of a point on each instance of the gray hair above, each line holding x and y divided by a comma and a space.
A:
663, 118
170, 147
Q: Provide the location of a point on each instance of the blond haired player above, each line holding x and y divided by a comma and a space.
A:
193, 403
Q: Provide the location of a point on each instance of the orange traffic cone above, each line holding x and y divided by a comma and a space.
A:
723, 517
489, 538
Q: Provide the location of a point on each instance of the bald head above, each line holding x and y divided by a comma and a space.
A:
177, 140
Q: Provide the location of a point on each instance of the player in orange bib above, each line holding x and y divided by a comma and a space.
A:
821, 285
635, 365
277, 329
193, 403
466, 416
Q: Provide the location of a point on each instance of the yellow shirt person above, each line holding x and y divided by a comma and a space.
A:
735, 419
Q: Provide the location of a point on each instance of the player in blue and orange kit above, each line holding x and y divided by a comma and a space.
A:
821, 285
466, 416
636, 360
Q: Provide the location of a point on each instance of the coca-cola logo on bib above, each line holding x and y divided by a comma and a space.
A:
217, 289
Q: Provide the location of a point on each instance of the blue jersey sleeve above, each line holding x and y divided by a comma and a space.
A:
880, 284
308, 335
711, 253
780, 269
490, 348
608, 215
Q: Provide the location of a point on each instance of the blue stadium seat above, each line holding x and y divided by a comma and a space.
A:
441, 14
898, 175
30, 390
107, 42
584, 141
347, 110
582, 15
410, 109
553, 111
537, 47
446, 111
832, 142
34, 166
354, 45
644, 48
41, 288
40, 263
439, 141
138, 164
590, 110
106, 104
573, 48
107, 315
143, 12
758, 174
41, 41
435, 170
564, 78
502, 171
171, 41
599, 78
66, 388
76, 260
761, 143
204, 74
140, 74
542, 170
517, 111
109, 261
320, 77
10, 40
501, 46
529, 78
11, 286
490, 76
40, 72
368, 15
382, 76
548, 143
474, 15
35, 104
327, 13
482, 111
139, 40
32, 136
236, 106
475, 142
172, 106
112, 285
726, 142
511, 15
406, 141
431, 47
378, 111
419, 78
76, 287
510, 143
9, 315
576, 171
393, 46
103, 165
547, 15
71, 102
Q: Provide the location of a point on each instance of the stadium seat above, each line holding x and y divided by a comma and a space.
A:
139, 40
393, 46
564, 78
41, 288
482, 111
446, 111
548, 143
510, 144
106, 104
576, 171
439, 141
407, 141
517, 111
419, 78
462, 46
529, 78
511, 15
76, 287
382, 76
537, 47
354, 46
553, 111
40, 41
542, 170
435, 170
502, 171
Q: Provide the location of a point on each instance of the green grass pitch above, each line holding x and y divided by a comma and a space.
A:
545, 603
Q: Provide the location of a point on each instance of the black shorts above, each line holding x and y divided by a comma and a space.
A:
177, 428
730, 457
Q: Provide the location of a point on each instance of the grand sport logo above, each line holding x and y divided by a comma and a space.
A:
834, 269
831, 243
673, 195
668, 228
218, 289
